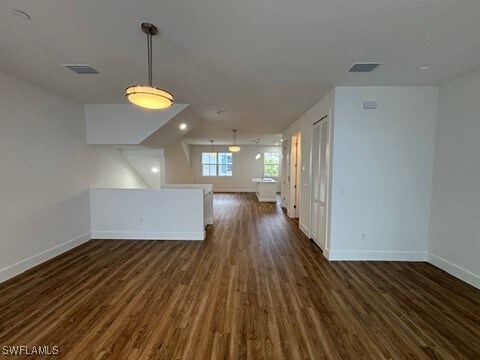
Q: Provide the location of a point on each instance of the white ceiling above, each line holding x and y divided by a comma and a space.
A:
263, 61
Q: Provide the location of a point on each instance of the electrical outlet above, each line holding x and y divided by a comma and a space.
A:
363, 237
140, 220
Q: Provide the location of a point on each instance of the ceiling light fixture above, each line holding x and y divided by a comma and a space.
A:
234, 147
149, 97
155, 170
212, 150
183, 126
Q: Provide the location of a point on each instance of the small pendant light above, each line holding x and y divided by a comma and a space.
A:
258, 156
149, 97
234, 147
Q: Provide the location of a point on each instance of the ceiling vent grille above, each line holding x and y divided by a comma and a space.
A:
81, 69
365, 67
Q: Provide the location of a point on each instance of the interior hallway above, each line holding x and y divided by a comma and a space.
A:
255, 288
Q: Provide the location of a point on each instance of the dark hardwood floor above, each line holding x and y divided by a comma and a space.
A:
257, 288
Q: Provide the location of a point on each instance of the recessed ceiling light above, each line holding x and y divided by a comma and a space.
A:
155, 170
276, 144
281, 140
21, 14
424, 67
183, 126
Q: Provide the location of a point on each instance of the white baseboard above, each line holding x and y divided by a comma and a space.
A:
138, 235
25, 264
377, 256
303, 228
261, 199
234, 190
209, 221
455, 270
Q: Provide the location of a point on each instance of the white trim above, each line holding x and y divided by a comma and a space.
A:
326, 254
455, 270
234, 190
304, 229
377, 256
138, 235
209, 221
266, 199
32, 261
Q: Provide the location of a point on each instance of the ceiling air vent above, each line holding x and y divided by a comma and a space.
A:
81, 69
365, 67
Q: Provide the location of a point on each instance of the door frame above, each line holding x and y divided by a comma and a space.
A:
293, 176
285, 186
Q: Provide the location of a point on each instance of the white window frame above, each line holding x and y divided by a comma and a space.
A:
277, 164
217, 164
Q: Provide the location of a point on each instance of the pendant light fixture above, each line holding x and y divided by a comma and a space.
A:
234, 147
149, 97
212, 150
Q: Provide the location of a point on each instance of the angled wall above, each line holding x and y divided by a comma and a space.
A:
124, 124
178, 169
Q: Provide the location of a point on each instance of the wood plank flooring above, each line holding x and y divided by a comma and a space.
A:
257, 288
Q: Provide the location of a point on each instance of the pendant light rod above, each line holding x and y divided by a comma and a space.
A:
150, 30
212, 150
150, 62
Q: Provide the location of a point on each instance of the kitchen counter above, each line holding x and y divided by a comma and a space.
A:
266, 189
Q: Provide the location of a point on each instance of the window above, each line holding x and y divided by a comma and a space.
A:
217, 164
271, 163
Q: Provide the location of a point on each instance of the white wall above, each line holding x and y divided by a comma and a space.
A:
382, 163
177, 164
166, 214
304, 125
382, 172
142, 161
245, 166
47, 169
455, 212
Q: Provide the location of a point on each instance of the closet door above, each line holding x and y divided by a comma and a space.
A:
319, 181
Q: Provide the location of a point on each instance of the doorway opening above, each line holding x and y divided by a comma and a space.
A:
291, 164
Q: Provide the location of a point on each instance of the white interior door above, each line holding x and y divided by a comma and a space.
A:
319, 182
